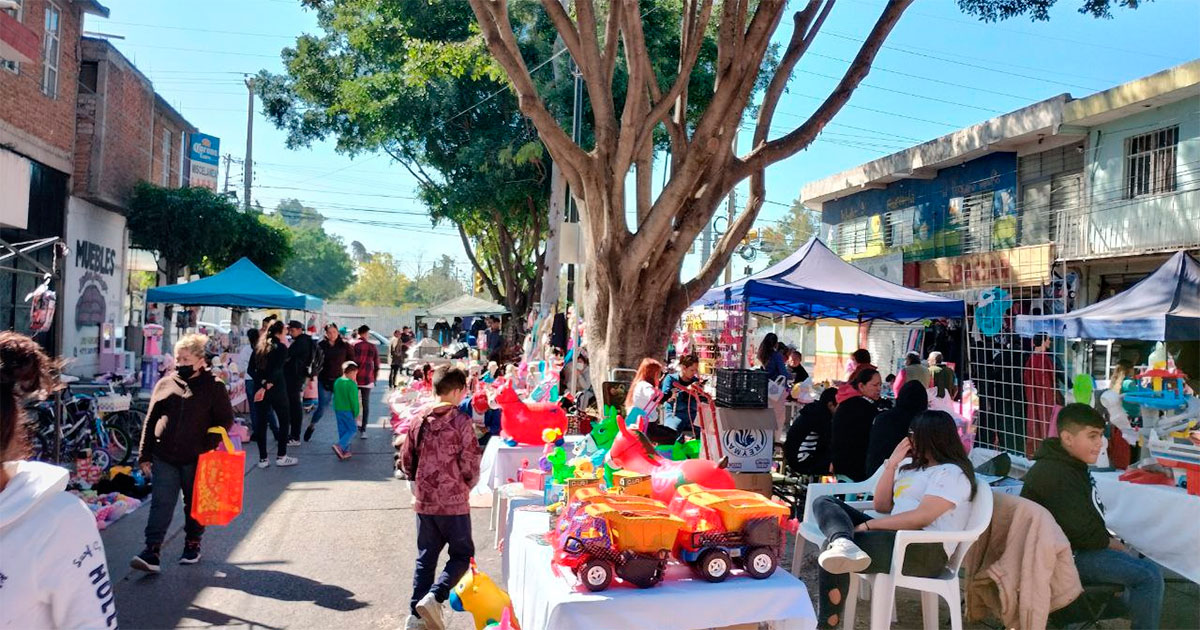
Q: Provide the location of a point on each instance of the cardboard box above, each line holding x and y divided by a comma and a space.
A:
534, 479
577, 483
631, 483
754, 482
746, 437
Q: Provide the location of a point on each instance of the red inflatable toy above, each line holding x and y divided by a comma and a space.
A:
523, 422
632, 450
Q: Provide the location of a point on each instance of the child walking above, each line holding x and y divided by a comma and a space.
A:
441, 456
346, 408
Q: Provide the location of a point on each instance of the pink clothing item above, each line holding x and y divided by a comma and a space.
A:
1038, 378
441, 455
846, 391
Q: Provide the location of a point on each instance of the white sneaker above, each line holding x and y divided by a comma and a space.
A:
362, 435
843, 556
414, 623
262, 463
430, 611
293, 442
286, 460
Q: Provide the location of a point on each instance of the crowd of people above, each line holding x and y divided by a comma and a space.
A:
924, 480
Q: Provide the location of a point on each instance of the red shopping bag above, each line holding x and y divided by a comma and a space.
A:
217, 494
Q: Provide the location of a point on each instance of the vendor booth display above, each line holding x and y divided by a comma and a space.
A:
242, 284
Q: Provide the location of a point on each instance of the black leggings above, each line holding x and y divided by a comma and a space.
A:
838, 520
365, 394
274, 400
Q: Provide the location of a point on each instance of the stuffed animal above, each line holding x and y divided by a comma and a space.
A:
477, 594
523, 422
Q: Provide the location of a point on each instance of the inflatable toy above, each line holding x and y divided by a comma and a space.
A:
477, 594
632, 450
523, 422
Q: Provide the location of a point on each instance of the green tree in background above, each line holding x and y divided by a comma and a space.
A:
792, 231
320, 264
251, 235
379, 283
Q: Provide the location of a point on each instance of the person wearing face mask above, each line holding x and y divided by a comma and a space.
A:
183, 407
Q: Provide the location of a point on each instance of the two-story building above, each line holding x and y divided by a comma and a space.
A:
39, 72
80, 126
1040, 210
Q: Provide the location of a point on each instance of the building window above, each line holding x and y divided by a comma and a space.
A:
900, 227
13, 66
166, 158
50, 51
1150, 162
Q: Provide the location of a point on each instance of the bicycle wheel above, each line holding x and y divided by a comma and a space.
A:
118, 447
130, 422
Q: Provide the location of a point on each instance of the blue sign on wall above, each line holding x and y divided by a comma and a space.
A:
204, 148
936, 205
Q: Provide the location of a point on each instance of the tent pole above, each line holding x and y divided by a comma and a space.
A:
745, 328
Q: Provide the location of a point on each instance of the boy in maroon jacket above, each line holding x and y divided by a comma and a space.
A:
441, 456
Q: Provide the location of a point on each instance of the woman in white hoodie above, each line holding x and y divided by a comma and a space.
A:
52, 568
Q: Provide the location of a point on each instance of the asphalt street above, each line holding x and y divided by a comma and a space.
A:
325, 544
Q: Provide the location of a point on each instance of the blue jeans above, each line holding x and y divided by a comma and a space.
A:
324, 398
346, 428
169, 481
435, 532
250, 389
1142, 579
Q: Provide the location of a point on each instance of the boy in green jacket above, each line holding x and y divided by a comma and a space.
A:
1059, 481
346, 408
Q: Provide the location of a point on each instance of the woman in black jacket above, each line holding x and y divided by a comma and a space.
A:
806, 446
852, 425
891, 426
185, 404
271, 395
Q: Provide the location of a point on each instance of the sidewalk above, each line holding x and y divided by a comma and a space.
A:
324, 544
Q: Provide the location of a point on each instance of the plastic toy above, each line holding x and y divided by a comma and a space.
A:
728, 527
631, 450
561, 471
477, 594
632, 542
523, 422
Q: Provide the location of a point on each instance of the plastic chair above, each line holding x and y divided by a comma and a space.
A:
884, 585
808, 525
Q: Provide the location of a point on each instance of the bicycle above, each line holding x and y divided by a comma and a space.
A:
83, 429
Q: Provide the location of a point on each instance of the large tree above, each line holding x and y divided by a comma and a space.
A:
320, 264
634, 294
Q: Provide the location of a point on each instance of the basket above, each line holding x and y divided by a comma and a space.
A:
741, 389
112, 403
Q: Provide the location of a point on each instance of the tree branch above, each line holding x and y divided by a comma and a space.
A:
801, 137
797, 46
676, 96
470, 251
612, 37
492, 16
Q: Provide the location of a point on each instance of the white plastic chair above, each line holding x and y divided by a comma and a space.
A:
883, 585
808, 524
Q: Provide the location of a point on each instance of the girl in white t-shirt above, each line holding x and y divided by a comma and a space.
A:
927, 484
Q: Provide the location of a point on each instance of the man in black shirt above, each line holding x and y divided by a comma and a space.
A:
295, 373
333, 351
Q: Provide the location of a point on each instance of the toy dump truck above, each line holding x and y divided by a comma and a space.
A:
727, 528
631, 540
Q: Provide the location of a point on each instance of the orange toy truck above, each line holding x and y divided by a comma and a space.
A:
727, 527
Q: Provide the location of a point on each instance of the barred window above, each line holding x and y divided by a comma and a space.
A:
50, 51
1150, 162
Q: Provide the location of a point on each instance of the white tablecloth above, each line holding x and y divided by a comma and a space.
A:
501, 462
544, 601
1160, 521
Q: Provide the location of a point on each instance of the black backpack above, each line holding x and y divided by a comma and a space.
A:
317, 361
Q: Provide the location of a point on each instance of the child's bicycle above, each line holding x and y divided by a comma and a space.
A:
83, 429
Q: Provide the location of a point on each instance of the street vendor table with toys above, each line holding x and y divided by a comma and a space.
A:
551, 597
501, 462
1160, 521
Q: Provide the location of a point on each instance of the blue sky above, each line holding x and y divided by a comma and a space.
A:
940, 71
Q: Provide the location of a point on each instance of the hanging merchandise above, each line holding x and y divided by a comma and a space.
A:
41, 314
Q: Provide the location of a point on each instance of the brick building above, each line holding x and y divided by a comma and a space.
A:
80, 126
37, 139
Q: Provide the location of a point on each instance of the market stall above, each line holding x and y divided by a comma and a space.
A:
241, 285
547, 598
814, 283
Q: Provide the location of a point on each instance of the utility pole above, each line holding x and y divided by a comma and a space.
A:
249, 164
228, 161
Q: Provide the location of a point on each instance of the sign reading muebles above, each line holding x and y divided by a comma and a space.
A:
204, 154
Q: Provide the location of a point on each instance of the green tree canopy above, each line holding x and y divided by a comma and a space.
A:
792, 231
320, 264
201, 230
379, 283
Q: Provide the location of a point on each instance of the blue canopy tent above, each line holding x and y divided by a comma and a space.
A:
241, 285
815, 283
1163, 306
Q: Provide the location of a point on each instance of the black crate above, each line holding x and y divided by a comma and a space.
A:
741, 389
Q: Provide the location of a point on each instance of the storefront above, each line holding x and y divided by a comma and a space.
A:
92, 302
